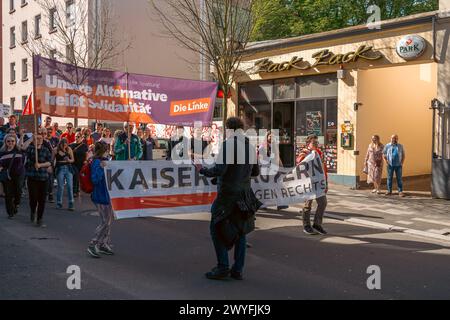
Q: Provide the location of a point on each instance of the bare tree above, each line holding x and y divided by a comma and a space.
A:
219, 30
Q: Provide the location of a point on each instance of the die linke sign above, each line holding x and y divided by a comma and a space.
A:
323, 57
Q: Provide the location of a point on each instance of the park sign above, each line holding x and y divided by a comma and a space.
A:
64, 90
411, 47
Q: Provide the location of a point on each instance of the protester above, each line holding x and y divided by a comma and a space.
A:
56, 132
394, 155
100, 197
69, 135
106, 137
374, 163
12, 169
37, 177
86, 132
64, 173
48, 122
121, 145
178, 144
233, 187
269, 159
12, 123
312, 145
148, 144
2, 131
98, 133
2, 136
80, 150
52, 143
198, 145
117, 134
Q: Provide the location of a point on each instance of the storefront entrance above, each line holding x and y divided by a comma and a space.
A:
297, 107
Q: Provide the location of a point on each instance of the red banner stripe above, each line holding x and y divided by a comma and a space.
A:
166, 201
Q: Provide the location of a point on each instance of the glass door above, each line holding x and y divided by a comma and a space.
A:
283, 120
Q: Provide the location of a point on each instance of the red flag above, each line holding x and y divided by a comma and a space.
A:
28, 110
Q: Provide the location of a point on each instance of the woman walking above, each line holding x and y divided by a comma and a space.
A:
79, 149
36, 171
374, 163
12, 168
100, 197
64, 173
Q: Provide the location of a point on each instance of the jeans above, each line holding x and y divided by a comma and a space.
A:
64, 174
222, 252
398, 173
13, 193
37, 191
318, 217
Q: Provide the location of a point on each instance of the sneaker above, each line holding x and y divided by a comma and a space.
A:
40, 224
309, 230
71, 208
402, 194
105, 249
236, 275
217, 274
374, 191
93, 251
50, 199
319, 229
59, 206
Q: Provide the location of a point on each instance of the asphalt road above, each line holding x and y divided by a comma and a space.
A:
166, 257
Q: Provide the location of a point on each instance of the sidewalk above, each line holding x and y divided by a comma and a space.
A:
416, 214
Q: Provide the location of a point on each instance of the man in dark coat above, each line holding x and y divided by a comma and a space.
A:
236, 164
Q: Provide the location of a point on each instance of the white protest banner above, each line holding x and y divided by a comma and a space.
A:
155, 188
5, 110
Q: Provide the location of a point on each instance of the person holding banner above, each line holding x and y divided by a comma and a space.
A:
100, 197
128, 145
230, 223
312, 146
37, 177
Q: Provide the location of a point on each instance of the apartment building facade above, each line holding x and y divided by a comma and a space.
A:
135, 24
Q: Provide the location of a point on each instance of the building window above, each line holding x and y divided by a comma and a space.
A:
24, 101
24, 69
37, 26
218, 110
24, 32
12, 70
70, 54
23, 3
52, 17
12, 103
11, 6
52, 54
12, 37
70, 13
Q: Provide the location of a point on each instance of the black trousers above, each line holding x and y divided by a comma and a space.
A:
76, 179
37, 191
13, 193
